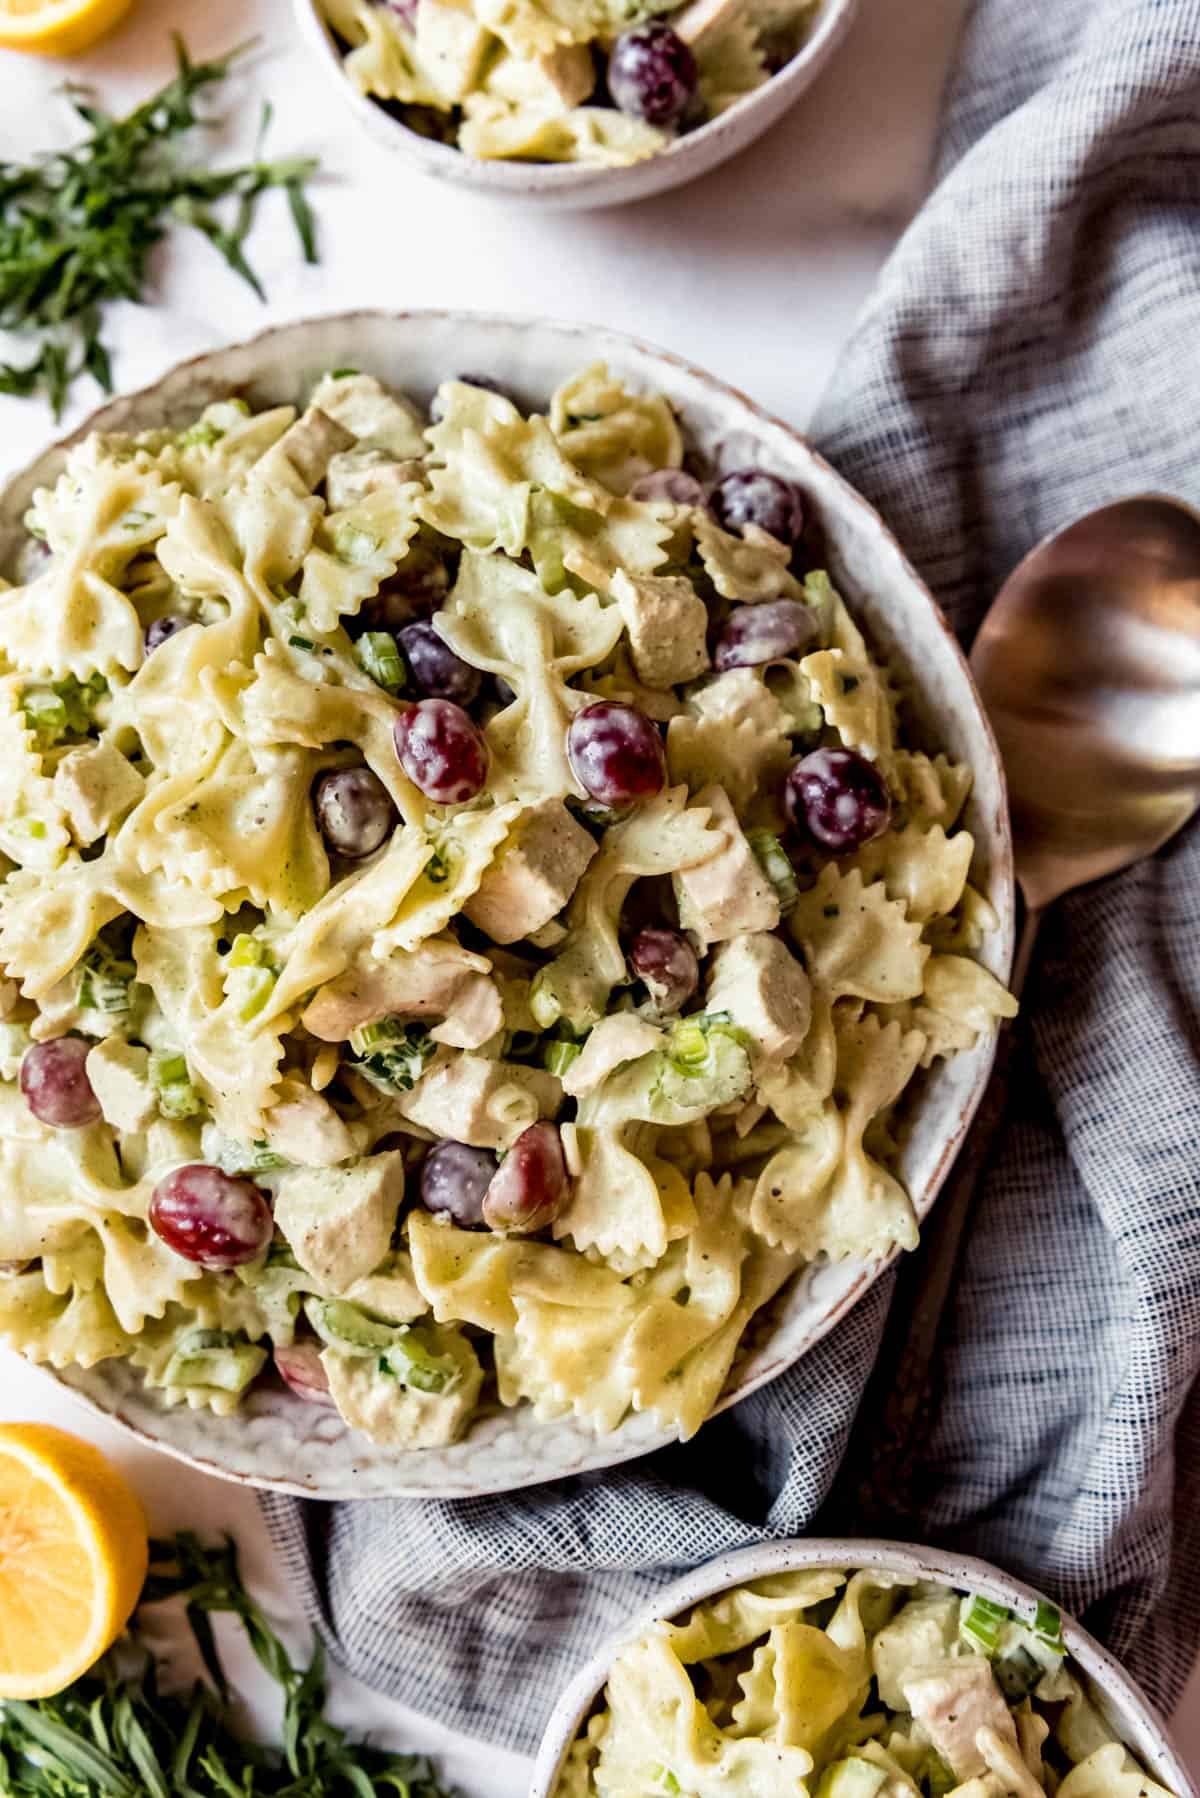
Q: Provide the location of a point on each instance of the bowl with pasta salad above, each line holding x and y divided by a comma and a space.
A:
855, 1669
506, 899
569, 104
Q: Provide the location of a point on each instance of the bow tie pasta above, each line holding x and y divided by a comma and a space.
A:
849, 1685
599, 82
468, 917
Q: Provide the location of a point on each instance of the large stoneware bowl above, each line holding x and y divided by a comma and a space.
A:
278, 1441
1124, 1705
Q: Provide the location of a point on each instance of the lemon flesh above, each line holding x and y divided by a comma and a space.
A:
57, 27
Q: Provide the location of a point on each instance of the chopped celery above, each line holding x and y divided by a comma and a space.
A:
853, 1777
202, 435
347, 1328
247, 952
34, 828
65, 707
215, 1358
379, 656
980, 1622
415, 1364
664, 1779
392, 1055
772, 858
177, 1097
105, 980
558, 1055
45, 713
1047, 1626
255, 986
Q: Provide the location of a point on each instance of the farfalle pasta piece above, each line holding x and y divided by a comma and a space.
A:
612, 434
730, 62
47, 921
657, 1720
384, 60
748, 568
499, 618
475, 1278
660, 837
33, 830
69, 1329
736, 733
856, 941
852, 692
731, 1622
823, 1193
920, 867
356, 549
624, 1205
930, 789
465, 847
960, 1002
798, 1686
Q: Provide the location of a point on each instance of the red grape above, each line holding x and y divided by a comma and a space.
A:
530, 1186
666, 963
616, 753
441, 750
840, 799
756, 634
354, 811
55, 1083
210, 1217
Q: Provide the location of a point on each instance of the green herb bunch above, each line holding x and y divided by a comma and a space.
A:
113, 1734
77, 227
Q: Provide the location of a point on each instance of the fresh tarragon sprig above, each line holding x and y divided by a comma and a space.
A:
77, 227
114, 1734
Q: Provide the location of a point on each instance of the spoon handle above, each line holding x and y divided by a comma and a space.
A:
901, 1400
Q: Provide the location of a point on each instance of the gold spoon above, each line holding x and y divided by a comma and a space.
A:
1088, 664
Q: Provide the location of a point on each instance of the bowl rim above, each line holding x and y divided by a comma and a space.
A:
738, 1567
542, 179
596, 342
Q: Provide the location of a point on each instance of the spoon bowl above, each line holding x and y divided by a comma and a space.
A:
1089, 666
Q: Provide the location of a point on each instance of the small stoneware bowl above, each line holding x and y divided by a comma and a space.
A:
570, 185
1125, 1707
278, 1440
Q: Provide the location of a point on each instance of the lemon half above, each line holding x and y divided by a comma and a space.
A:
57, 27
73, 1555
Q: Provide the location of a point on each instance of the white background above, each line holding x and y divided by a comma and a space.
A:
756, 272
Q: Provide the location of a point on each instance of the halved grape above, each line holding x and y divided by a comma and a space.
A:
354, 811
616, 753
210, 1217
435, 667
669, 483
839, 798
300, 1368
159, 629
766, 633
55, 1083
753, 496
530, 1187
454, 1178
666, 964
441, 750
652, 74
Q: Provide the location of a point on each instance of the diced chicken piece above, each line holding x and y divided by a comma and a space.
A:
620, 1038
535, 872
400, 1416
475, 1015
10, 992
667, 622
921, 1634
425, 984
305, 450
305, 1129
703, 17
373, 414
487, 1103
571, 73
953, 1703
355, 473
390, 1292
762, 986
94, 787
451, 45
120, 1076
728, 895
339, 1221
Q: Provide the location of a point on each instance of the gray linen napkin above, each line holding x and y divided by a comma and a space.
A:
1031, 351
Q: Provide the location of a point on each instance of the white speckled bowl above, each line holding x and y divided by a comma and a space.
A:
1126, 1707
279, 1441
568, 185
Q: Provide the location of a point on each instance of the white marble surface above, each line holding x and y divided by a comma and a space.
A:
756, 272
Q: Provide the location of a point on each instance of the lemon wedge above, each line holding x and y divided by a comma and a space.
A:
73, 1555
57, 27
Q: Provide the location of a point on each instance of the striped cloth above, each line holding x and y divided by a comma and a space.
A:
1025, 356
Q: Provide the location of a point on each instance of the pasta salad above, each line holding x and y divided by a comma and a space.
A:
850, 1685
467, 915
599, 82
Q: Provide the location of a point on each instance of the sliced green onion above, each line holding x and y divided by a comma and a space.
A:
370, 1036
104, 981
352, 544
773, 859
302, 643
393, 1055
202, 435
343, 374
1047, 1626
664, 1779
980, 1623
247, 952
557, 1056
379, 656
